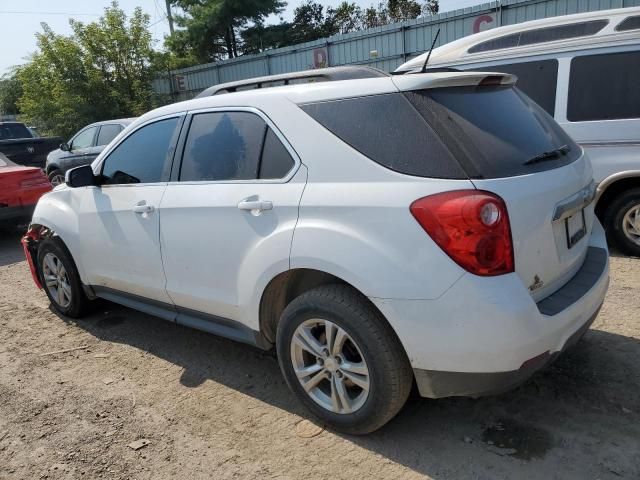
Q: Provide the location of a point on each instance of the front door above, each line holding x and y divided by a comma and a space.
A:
120, 222
228, 222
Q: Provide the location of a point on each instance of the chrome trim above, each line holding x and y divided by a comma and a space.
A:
612, 143
611, 179
575, 202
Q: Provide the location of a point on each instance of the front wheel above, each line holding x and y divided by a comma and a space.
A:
622, 221
342, 359
60, 279
56, 177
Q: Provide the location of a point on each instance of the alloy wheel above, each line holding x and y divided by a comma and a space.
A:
631, 224
57, 180
330, 366
56, 280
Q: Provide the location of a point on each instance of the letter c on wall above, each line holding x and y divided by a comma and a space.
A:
479, 21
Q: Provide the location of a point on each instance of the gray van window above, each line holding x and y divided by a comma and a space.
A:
604, 87
537, 79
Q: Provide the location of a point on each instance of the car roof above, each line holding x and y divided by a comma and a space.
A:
121, 121
458, 50
325, 91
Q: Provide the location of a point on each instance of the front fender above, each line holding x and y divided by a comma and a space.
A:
56, 210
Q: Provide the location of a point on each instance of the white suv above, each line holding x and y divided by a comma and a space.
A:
436, 228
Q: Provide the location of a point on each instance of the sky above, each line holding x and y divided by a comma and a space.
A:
20, 20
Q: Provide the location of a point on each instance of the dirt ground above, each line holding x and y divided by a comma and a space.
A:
212, 408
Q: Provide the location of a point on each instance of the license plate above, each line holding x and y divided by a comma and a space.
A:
576, 228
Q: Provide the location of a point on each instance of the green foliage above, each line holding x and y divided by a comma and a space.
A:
10, 92
103, 71
207, 29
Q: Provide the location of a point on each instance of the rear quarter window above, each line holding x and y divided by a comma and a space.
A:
389, 131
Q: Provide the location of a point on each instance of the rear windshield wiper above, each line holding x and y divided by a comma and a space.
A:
551, 154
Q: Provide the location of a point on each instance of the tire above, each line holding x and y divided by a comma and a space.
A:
370, 344
618, 222
56, 177
73, 303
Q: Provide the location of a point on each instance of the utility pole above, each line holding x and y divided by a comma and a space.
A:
169, 17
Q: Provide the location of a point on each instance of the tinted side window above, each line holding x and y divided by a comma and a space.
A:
223, 146
276, 161
144, 156
541, 35
537, 79
107, 133
388, 130
629, 23
604, 87
84, 139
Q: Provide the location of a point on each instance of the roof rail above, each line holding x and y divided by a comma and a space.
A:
330, 74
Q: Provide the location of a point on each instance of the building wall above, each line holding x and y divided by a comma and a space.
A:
384, 47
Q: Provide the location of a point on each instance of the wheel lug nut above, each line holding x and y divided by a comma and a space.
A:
325, 352
339, 374
320, 361
329, 375
338, 359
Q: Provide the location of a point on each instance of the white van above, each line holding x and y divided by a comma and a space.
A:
584, 70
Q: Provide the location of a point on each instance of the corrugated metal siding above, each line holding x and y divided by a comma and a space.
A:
393, 43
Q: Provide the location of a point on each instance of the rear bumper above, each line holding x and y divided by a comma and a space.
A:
486, 334
436, 384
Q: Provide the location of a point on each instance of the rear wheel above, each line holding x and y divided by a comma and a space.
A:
60, 279
342, 359
56, 177
622, 220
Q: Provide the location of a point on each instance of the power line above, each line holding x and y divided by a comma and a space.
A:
48, 13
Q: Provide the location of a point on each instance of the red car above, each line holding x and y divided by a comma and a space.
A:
20, 189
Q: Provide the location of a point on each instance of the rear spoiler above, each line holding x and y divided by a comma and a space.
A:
422, 81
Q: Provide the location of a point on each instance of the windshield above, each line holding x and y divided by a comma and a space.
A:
495, 131
11, 131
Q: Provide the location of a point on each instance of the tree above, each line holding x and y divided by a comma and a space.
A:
345, 18
208, 28
103, 71
10, 92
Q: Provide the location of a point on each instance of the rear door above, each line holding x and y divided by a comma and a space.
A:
227, 220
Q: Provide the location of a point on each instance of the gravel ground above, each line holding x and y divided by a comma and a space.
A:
212, 408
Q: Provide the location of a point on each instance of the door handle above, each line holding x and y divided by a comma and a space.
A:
144, 208
255, 206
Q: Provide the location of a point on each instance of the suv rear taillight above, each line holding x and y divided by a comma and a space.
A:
471, 226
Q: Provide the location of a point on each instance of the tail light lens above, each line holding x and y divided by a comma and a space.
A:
471, 226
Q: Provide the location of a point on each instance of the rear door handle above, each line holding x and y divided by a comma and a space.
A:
144, 208
255, 206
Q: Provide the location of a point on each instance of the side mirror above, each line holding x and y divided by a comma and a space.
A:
81, 177
65, 147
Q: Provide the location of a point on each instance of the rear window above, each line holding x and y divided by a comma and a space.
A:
457, 132
495, 131
11, 131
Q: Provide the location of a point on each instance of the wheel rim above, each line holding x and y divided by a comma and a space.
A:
56, 280
631, 224
57, 180
330, 366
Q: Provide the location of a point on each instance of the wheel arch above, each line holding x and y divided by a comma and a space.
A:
290, 284
613, 186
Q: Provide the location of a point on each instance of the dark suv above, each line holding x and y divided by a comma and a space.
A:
83, 147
